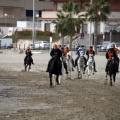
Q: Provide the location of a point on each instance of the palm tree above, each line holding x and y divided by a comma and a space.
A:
96, 12
66, 22
60, 26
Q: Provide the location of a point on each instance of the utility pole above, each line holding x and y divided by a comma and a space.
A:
90, 28
33, 31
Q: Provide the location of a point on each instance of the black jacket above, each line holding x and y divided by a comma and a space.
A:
56, 52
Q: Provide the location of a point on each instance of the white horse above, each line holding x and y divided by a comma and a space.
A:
90, 65
67, 60
69, 64
81, 65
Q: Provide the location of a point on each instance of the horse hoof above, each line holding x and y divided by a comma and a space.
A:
58, 84
110, 84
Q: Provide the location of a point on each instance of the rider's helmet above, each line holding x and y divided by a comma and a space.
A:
113, 45
67, 49
55, 46
28, 49
91, 47
79, 48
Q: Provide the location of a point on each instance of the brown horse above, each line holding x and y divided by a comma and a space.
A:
112, 70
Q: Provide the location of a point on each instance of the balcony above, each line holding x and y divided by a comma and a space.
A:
52, 15
6, 21
69, 0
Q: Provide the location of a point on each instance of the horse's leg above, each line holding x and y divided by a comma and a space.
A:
83, 69
88, 70
28, 69
57, 80
114, 76
54, 83
50, 75
106, 78
110, 80
25, 67
93, 69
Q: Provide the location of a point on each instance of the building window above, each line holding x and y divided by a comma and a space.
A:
29, 13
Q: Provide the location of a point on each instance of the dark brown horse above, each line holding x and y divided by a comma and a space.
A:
28, 62
112, 70
54, 69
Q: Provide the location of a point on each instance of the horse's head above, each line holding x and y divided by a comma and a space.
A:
90, 60
68, 56
81, 53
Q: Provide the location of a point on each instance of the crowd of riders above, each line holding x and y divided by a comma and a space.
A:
59, 52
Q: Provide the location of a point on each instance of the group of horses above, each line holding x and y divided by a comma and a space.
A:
67, 66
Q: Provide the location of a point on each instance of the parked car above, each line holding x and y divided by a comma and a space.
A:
40, 45
9, 47
103, 47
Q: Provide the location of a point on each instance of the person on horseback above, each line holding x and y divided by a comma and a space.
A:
91, 51
109, 55
28, 54
80, 49
65, 51
55, 52
116, 50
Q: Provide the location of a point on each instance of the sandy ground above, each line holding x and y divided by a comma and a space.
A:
27, 95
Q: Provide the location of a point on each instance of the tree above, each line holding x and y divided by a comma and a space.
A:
66, 21
60, 26
96, 12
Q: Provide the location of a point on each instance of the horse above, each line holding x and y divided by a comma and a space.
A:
112, 70
54, 69
81, 65
28, 62
90, 65
69, 64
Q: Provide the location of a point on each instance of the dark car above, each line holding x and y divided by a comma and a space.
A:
9, 47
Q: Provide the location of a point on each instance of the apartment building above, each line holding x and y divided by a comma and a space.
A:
12, 11
113, 22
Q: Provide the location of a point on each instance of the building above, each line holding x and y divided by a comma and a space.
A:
12, 11
113, 22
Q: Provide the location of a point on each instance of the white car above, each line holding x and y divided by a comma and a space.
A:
41, 44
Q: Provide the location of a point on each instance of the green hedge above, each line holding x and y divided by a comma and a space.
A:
39, 35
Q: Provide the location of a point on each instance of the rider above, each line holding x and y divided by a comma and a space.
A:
91, 51
116, 50
110, 53
65, 51
55, 52
80, 49
28, 53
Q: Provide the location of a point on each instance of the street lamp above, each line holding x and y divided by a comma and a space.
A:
33, 31
90, 27
37, 15
5, 15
